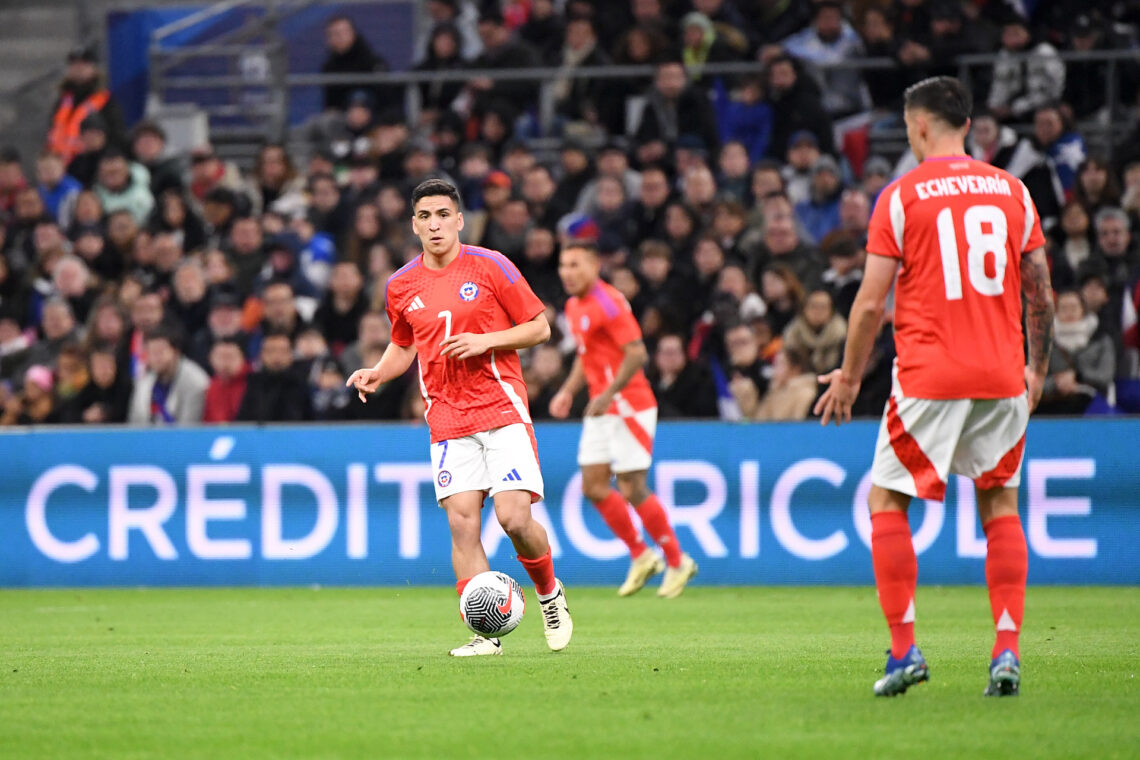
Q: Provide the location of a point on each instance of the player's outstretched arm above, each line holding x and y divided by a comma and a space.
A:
564, 399
862, 327
634, 356
525, 335
1038, 291
392, 364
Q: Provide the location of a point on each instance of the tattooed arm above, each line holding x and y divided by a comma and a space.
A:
1038, 292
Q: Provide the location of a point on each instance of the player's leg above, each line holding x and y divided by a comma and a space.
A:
680, 567
512, 460
612, 506
990, 451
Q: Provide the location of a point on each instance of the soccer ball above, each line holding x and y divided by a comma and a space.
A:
492, 604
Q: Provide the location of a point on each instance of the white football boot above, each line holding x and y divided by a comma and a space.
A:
676, 578
556, 622
478, 646
641, 569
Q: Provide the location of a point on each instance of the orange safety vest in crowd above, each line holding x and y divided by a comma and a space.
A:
63, 139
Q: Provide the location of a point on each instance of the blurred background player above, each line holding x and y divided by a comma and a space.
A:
464, 311
621, 418
969, 240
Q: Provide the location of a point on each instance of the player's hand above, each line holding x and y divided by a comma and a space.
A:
837, 400
560, 405
365, 381
1035, 384
600, 405
464, 346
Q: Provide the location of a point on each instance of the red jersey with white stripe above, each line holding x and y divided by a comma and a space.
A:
480, 291
959, 227
602, 323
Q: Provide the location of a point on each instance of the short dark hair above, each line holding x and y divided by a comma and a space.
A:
584, 245
229, 340
945, 97
433, 187
168, 332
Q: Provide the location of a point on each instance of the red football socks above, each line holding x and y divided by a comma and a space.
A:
461, 584
1007, 563
655, 520
615, 512
541, 571
896, 575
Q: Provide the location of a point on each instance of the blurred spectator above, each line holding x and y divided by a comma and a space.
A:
830, 40
227, 386
582, 101
701, 43
14, 344
885, 86
172, 214
330, 398
774, 20
673, 109
1021, 85
350, 53
506, 229
854, 214
1072, 244
148, 148
72, 280
844, 275
82, 94
613, 163
802, 155
577, 172
745, 365
500, 51
796, 106
663, 287
444, 54
343, 305
649, 210
74, 390
733, 166
782, 293
57, 327
819, 214
1086, 81
147, 313
35, 404
208, 173
876, 175
782, 245
818, 333
58, 189
112, 389
683, 388
791, 390
276, 182
1053, 134
273, 393
223, 322
639, 45
1096, 186
538, 190
1082, 363
279, 315
461, 14
540, 265
12, 179
543, 377
93, 142
730, 25
1000, 146
188, 298
173, 390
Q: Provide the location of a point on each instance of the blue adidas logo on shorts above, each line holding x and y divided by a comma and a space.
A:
513, 475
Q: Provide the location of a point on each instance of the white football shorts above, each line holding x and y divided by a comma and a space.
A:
624, 442
502, 459
922, 441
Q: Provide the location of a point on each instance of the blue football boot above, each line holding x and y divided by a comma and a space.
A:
1005, 676
903, 673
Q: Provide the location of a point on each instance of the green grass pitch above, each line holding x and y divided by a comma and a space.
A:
718, 673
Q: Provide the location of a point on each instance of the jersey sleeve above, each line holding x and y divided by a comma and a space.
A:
401, 330
885, 230
517, 298
1033, 237
623, 327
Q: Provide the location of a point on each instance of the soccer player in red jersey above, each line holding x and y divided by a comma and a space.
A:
464, 311
966, 243
617, 433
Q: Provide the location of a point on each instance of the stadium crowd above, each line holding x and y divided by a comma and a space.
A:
143, 287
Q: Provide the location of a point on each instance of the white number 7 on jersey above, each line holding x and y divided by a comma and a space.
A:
445, 315
980, 243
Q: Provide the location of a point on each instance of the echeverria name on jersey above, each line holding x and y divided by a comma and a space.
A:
967, 184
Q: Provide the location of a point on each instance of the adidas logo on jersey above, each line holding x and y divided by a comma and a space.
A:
513, 475
415, 304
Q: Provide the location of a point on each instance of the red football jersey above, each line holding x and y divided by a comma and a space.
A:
602, 323
481, 291
959, 226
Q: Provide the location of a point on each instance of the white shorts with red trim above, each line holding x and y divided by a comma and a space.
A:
503, 459
624, 442
922, 441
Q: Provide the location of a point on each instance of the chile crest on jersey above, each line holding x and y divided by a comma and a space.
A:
468, 291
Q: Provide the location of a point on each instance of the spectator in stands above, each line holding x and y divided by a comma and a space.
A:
227, 386
796, 106
350, 53
830, 40
683, 388
1114, 246
1096, 186
148, 148
663, 288
733, 165
72, 280
543, 377
996, 144
782, 293
613, 161
1071, 244
577, 172
1023, 85
57, 328
147, 313
329, 210
107, 327
782, 244
343, 305
818, 332
791, 390
276, 182
500, 51
173, 214
273, 393
123, 184
885, 87
582, 101
538, 189
208, 172
74, 390
1054, 135
854, 213
819, 214
701, 43
35, 404
82, 94
14, 341
112, 388
463, 15
730, 227
84, 166
649, 209
682, 226
373, 335
173, 390
775, 20
639, 45
12, 179
1085, 81
745, 365
445, 54
58, 189
876, 175
802, 155
1082, 363
845, 256
223, 322
540, 265
673, 109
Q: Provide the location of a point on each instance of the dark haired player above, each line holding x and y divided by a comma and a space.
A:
966, 243
464, 311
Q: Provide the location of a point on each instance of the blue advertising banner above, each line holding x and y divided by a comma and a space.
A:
353, 505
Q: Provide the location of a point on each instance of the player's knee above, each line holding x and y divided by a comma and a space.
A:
515, 523
596, 491
464, 527
633, 488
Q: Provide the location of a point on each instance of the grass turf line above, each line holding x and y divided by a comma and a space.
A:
720, 672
